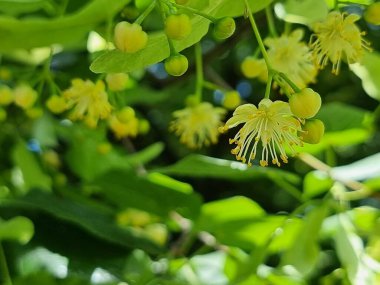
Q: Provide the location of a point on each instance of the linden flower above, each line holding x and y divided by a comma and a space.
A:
289, 55
88, 100
198, 125
338, 38
272, 124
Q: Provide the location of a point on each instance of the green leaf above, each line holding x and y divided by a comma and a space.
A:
154, 193
31, 174
138, 268
31, 33
20, 229
84, 156
345, 125
236, 222
157, 49
351, 253
303, 255
201, 166
369, 72
95, 220
14, 8
215, 214
302, 12
316, 183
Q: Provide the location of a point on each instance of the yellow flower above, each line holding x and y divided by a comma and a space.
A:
337, 38
197, 125
88, 100
289, 55
124, 123
272, 124
24, 96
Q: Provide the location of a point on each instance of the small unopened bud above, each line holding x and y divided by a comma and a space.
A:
372, 14
313, 131
176, 65
129, 37
305, 104
224, 28
177, 27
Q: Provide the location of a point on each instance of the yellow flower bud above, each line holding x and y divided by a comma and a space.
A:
6, 95
177, 27
117, 81
231, 100
224, 28
129, 37
125, 114
56, 104
252, 67
372, 14
24, 96
176, 65
313, 131
157, 232
144, 127
305, 104
51, 158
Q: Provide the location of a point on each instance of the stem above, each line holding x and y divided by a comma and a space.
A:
194, 11
213, 86
269, 84
290, 82
147, 11
4, 268
361, 190
199, 71
270, 19
258, 37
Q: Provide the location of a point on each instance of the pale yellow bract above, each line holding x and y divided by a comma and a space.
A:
337, 38
198, 125
272, 124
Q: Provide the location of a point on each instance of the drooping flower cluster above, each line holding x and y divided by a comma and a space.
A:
272, 125
337, 38
88, 101
198, 125
290, 55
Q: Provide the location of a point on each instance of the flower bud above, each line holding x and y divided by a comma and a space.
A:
313, 131
176, 65
231, 100
144, 127
6, 96
224, 28
177, 27
34, 113
305, 104
24, 96
56, 104
117, 81
125, 114
104, 148
157, 232
252, 67
372, 14
129, 37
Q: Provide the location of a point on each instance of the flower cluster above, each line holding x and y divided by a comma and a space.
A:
337, 38
23, 96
